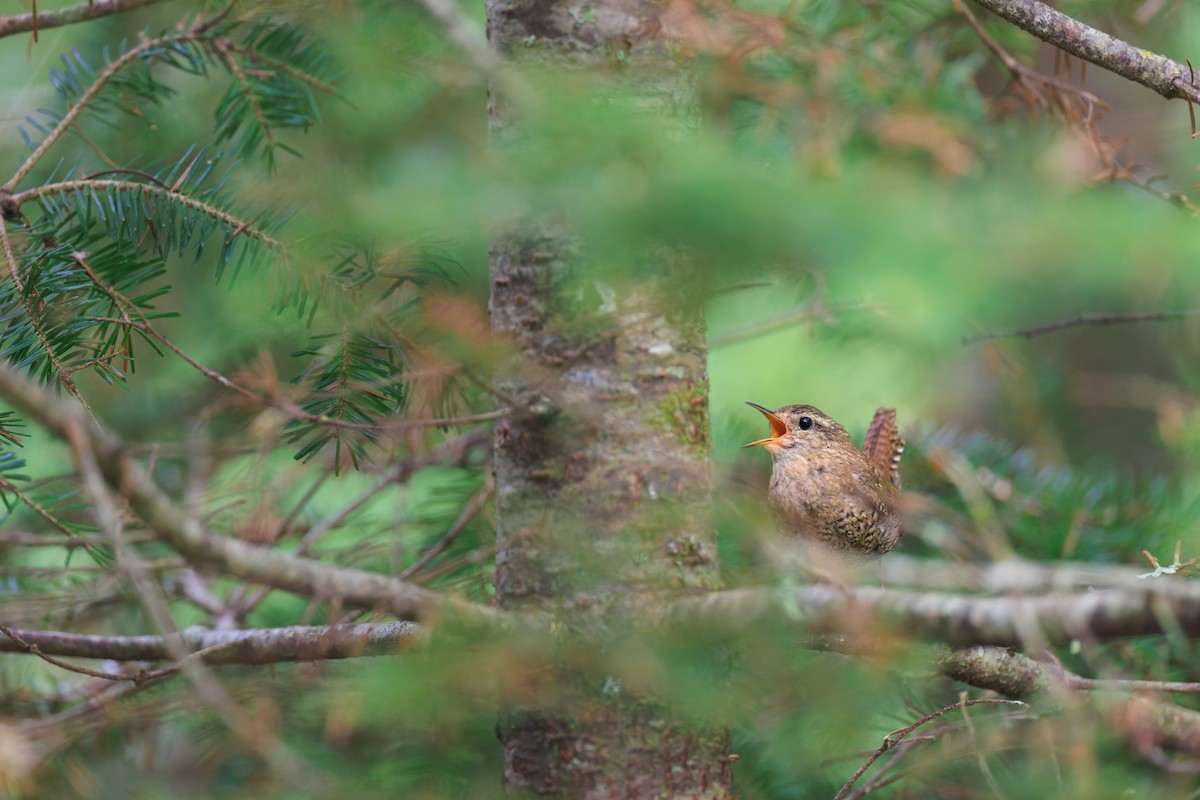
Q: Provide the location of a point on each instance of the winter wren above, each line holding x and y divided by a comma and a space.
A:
825, 489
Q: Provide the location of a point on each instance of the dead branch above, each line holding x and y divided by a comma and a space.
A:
1169, 78
250, 646
1094, 318
41, 20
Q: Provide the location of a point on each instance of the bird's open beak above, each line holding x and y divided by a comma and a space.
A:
779, 428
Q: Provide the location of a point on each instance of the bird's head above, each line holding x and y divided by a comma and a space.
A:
799, 429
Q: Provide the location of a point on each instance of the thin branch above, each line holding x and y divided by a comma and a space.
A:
1123, 685
1019, 71
895, 737
23, 646
1093, 318
31, 539
220, 648
468, 512
808, 312
94, 9
1168, 78
156, 565
1016, 576
274, 63
448, 452
79, 105
73, 539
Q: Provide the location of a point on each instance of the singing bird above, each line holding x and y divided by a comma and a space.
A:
824, 489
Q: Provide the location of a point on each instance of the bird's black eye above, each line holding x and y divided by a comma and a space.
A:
805, 423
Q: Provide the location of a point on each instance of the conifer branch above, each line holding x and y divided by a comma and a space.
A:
237, 225
77, 108
35, 318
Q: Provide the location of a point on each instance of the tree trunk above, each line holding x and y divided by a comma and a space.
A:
603, 488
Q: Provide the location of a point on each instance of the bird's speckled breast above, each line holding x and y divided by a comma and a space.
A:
809, 501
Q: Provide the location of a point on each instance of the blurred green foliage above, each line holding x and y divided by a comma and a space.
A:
855, 206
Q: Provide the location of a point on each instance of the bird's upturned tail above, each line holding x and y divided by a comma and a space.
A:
884, 445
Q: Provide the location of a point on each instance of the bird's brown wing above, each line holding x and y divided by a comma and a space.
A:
884, 445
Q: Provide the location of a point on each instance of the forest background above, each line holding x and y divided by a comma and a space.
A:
857, 195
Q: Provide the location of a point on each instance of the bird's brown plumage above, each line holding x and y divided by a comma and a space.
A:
825, 489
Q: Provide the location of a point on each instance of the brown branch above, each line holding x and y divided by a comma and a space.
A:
73, 539
894, 738
156, 565
250, 646
94, 9
1148, 723
1091, 318
1020, 677
809, 312
1166, 77
33, 540
468, 512
22, 645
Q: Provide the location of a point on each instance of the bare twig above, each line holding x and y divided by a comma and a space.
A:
895, 737
24, 646
93, 9
804, 313
1096, 318
468, 512
73, 540
249, 646
448, 452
